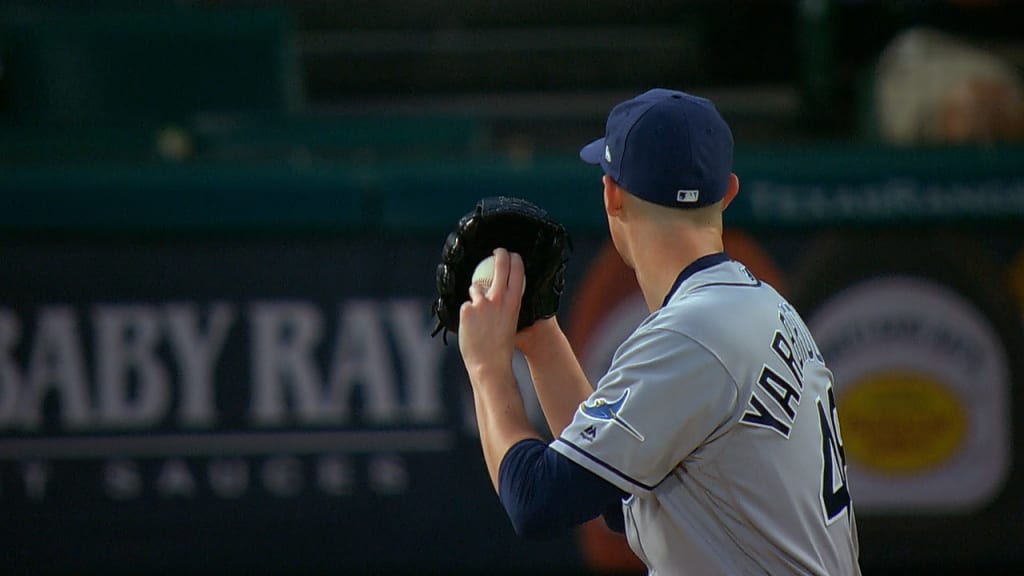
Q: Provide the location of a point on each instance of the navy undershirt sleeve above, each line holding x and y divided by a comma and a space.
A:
545, 493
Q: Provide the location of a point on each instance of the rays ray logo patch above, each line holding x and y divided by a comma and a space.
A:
601, 409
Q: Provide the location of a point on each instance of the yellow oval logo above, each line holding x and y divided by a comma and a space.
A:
901, 422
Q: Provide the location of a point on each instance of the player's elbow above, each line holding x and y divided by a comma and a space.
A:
545, 494
614, 518
530, 510
525, 492
532, 524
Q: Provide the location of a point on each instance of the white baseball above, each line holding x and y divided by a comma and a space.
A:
483, 274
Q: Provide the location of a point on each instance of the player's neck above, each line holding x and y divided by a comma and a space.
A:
660, 257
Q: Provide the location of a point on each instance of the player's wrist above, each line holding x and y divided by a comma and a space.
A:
487, 367
538, 337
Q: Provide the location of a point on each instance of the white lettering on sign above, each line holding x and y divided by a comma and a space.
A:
133, 387
141, 366
131, 381
287, 336
365, 372
56, 362
197, 353
230, 478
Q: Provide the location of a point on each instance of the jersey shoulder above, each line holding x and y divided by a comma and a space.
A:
718, 301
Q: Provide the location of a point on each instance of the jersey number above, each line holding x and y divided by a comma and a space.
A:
835, 497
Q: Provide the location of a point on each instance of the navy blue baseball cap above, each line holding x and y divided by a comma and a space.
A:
666, 147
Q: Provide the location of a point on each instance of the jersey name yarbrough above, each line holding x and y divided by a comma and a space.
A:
773, 402
794, 346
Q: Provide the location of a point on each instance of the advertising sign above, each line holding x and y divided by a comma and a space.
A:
230, 405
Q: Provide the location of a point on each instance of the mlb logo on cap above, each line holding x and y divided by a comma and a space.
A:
687, 196
667, 147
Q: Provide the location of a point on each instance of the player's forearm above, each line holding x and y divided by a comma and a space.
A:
557, 375
501, 417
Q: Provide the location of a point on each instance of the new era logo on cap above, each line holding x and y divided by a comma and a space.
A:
607, 154
687, 196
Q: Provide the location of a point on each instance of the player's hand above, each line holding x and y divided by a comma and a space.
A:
488, 320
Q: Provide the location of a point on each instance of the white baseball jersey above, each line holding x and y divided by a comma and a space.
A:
717, 416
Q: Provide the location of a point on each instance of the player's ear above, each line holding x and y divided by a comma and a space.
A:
612, 196
731, 191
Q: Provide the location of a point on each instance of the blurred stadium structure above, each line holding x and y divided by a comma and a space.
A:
537, 74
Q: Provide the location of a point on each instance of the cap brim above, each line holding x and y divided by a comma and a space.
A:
593, 153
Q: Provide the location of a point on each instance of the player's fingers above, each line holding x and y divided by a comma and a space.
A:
476, 293
464, 311
501, 269
516, 274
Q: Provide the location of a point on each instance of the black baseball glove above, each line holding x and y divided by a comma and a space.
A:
518, 226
